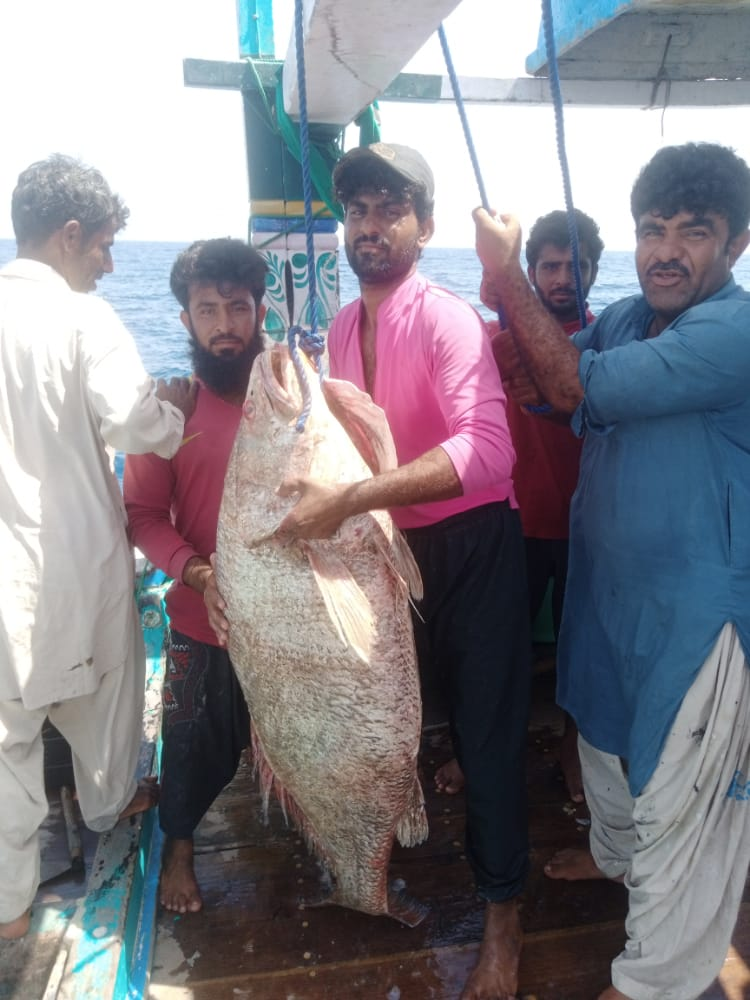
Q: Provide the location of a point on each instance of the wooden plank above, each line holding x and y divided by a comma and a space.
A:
27, 965
98, 930
257, 937
223, 75
111, 931
255, 28
532, 91
636, 39
352, 51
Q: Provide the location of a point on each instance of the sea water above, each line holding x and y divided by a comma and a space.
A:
139, 292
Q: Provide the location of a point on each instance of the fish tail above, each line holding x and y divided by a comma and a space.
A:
412, 828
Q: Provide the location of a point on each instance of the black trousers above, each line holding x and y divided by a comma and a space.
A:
205, 727
546, 559
474, 646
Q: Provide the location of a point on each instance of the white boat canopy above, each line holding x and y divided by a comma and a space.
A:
353, 51
618, 53
613, 52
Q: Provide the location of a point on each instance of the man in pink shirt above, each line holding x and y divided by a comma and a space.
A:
424, 356
173, 508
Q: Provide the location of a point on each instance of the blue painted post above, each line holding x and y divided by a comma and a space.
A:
255, 28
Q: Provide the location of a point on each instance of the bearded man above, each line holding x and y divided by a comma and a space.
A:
424, 356
173, 509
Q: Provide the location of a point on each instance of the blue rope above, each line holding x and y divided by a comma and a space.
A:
467, 135
311, 341
554, 81
462, 115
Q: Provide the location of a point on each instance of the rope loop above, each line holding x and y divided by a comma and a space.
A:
313, 345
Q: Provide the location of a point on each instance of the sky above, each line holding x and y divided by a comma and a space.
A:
103, 82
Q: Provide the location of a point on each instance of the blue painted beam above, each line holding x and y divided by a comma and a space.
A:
255, 28
573, 20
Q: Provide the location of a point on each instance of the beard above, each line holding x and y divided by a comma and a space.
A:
563, 313
225, 374
383, 267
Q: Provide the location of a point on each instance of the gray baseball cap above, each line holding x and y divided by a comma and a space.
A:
410, 165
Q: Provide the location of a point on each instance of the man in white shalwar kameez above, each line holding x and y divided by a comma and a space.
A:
73, 390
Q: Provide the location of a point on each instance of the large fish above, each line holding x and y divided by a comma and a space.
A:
320, 633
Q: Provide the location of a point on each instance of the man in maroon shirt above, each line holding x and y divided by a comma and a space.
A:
547, 454
173, 509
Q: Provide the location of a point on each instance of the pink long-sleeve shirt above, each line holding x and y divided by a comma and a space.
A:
173, 505
437, 381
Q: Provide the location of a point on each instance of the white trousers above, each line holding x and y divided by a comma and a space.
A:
104, 730
683, 845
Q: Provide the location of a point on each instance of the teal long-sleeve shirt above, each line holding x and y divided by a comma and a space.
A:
660, 521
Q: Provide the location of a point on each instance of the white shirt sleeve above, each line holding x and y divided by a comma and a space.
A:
122, 394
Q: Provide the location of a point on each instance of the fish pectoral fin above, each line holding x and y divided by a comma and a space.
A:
346, 603
406, 565
400, 561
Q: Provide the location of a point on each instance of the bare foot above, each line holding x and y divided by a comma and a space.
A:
570, 762
178, 889
613, 994
574, 864
495, 976
15, 929
146, 796
449, 778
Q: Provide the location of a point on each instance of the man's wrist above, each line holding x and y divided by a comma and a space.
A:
196, 572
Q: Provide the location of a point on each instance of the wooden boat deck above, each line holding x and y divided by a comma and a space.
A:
256, 938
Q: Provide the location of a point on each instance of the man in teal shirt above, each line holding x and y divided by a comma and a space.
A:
656, 627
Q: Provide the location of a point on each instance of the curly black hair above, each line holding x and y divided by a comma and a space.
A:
226, 263
553, 228
378, 178
697, 177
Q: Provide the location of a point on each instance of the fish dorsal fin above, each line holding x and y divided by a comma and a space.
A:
347, 605
365, 423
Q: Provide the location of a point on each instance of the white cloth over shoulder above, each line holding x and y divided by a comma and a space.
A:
73, 390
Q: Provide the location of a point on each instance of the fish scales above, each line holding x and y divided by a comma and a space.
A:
321, 635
